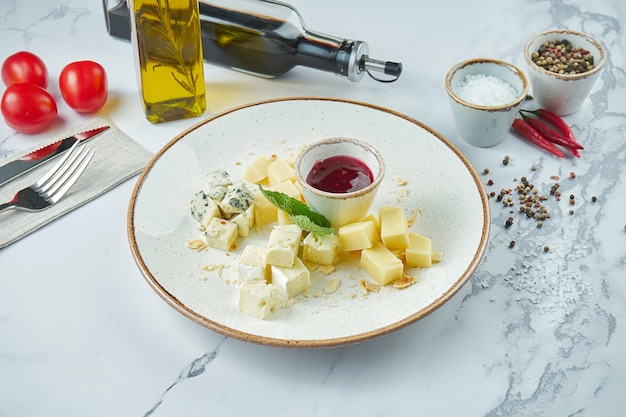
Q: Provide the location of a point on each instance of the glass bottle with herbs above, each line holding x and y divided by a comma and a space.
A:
168, 53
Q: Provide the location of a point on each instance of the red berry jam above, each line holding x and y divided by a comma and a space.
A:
340, 174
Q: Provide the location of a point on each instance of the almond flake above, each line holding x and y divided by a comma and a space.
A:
332, 285
405, 281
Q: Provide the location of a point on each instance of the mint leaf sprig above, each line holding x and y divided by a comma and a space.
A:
298, 212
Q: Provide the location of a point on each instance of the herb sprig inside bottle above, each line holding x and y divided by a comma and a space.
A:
299, 213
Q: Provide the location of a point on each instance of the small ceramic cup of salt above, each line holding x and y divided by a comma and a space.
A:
485, 96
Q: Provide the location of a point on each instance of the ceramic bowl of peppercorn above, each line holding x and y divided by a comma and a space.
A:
563, 67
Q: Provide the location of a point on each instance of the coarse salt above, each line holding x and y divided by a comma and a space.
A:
486, 90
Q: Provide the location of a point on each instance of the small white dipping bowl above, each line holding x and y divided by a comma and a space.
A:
563, 94
340, 208
478, 124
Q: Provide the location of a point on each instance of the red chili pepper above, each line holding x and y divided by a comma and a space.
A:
550, 134
527, 131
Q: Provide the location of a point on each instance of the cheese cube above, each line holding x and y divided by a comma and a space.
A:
221, 234
203, 208
381, 264
373, 218
290, 189
358, 236
291, 281
321, 249
264, 211
244, 221
258, 299
394, 230
282, 246
236, 200
420, 251
257, 170
278, 171
251, 265
216, 183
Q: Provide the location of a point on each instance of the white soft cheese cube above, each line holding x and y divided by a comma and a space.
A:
282, 246
236, 200
216, 184
221, 234
203, 208
244, 221
251, 265
258, 299
321, 249
291, 281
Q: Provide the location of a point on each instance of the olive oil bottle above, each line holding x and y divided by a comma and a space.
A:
168, 57
268, 38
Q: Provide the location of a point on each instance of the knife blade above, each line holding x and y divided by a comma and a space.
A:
29, 161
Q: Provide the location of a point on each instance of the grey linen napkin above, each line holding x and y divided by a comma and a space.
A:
116, 159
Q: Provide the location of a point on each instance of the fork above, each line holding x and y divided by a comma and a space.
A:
52, 187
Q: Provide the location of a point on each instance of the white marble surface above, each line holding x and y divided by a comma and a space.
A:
531, 334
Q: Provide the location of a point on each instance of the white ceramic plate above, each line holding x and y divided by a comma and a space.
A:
440, 182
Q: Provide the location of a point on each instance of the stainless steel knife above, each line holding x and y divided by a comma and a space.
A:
29, 161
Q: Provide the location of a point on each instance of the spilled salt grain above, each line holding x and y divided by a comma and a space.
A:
486, 90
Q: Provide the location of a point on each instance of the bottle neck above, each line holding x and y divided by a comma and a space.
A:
327, 53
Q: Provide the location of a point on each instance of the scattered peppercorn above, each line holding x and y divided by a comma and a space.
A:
512, 243
546, 249
571, 212
509, 222
490, 182
505, 161
594, 199
486, 171
572, 175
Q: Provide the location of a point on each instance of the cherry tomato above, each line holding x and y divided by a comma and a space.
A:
28, 108
83, 86
24, 67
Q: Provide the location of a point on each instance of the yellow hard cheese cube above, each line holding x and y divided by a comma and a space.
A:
357, 236
381, 264
394, 230
286, 187
264, 211
420, 251
278, 171
257, 170
321, 249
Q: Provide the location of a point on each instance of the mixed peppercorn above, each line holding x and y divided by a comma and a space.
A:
559, 56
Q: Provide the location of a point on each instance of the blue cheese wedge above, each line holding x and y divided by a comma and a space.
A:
282, 246
217, 183
258, 299
321, 249
220, 234
203, 208
252, 264
236, 200
291, 281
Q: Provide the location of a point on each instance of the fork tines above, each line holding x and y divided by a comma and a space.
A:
65, 173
